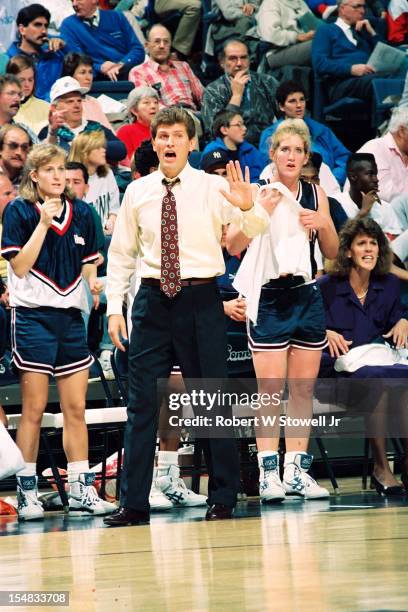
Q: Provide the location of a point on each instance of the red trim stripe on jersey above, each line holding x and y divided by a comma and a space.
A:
60, 290
60, 228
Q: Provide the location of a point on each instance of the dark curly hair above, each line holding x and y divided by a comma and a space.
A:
341, 266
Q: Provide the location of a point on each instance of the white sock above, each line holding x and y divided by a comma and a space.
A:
164, 460
75, 469
291, 455
30, 469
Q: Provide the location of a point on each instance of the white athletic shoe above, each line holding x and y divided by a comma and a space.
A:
157, 499
297, 481
84, 500
105, 361
176, 491
29, 507
270, 485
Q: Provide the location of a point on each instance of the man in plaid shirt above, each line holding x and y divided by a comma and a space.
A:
174, 81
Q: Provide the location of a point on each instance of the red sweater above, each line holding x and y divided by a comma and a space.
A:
132, 136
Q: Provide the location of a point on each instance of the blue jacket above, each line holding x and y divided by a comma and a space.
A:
333, 54
248, 156
48, 68
115, 148
324, 141
113, 40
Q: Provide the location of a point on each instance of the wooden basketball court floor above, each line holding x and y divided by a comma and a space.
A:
347, 553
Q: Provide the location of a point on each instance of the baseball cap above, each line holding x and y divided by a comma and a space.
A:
214, 159
65, 85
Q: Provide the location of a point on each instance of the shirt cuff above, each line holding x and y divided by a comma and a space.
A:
114, 306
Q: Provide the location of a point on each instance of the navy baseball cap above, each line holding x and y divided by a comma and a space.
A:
215, 159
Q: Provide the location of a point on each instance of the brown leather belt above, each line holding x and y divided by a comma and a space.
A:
187, 282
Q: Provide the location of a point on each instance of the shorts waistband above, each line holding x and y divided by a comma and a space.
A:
285, 282
186, 282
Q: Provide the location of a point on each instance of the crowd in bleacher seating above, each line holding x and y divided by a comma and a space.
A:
229, 64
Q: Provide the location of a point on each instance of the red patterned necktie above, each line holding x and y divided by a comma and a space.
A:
170, 282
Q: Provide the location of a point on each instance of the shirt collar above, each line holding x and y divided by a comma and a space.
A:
183, 176
342, 24
344, 287
156, 67
94, 19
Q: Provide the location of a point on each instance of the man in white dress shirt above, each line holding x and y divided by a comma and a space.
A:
173, 220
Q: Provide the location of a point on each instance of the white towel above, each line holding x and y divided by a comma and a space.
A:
282, 249
370, 355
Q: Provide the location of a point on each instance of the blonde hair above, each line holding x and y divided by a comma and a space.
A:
291, 127
40, 155
84, 144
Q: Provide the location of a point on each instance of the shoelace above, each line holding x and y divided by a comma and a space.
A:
91, 496
31, 496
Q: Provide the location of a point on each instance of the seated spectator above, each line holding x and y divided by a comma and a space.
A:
33, 41
291, 98
89, 148
33, 111
229, 132
240, 90
362, 303
361, 199
10, 96
188, 25
340, 52
215, 162
15, 143
310, 174
145, 160
67, 119
106, 36
7, 193
77, 180
142, 105
80, 67
326, 177
391, 155
235, 20
174, 81
397, 22
278, 24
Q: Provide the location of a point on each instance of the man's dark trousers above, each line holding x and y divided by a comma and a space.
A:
189, 328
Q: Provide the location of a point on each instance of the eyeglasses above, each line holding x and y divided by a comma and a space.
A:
240, 124
13, 146
357, 6
13, 94
235, 58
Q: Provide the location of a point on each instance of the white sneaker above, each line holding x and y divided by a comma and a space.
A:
176, 491
84, 500
157, 499
29, 507
105, 361
297, 481
270, 485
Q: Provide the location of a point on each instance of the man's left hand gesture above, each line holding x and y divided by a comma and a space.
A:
364, 23
240, 194
56, 44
